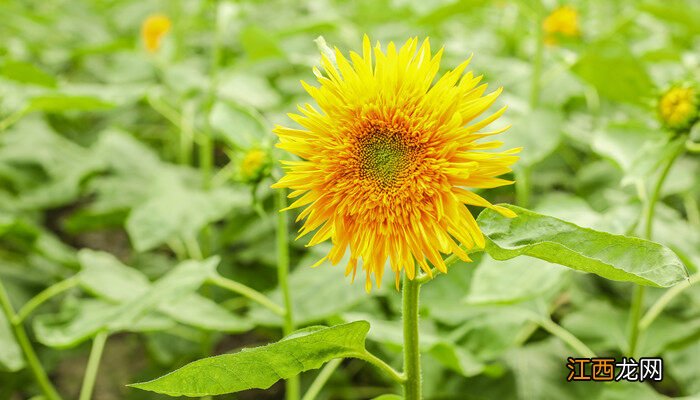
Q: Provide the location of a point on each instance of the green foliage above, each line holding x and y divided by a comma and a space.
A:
260, 367
615, 257
123, 207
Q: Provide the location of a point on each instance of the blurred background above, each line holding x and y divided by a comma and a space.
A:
136, 134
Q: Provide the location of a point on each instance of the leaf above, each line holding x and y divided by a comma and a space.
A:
259, 43
389, 397
320, 283
238, 125
105, 276
81, 320
611, 68
11, 358
195, 310
26, 73
184, 279
614, 257
260, 367
512, 281
179, 212
54, 103
538, 132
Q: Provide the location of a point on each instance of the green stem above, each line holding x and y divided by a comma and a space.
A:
43, 296
411, 351
321, 379
566, 336
537, 66
383, 366
635, 315
664, 300
30, 356
93, 365
247, 292
638, 296
692, 147
523, 187
12, 118
292, 392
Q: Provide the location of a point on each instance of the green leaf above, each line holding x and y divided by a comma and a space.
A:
26, 73
63, 102
11, 358
389, 397
260, 367
614, 257
538, 132
81, 320
179, 212
615, 72
512, 281
320, 283
259, 43
105, 276
237, 125
184, 279
195, 310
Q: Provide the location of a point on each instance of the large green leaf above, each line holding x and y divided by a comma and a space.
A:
614, 257
260, 367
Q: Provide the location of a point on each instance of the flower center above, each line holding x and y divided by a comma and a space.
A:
383, 158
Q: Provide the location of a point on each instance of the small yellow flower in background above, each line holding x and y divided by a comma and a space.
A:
678, 107
386, 157
561, 21
153, 30
254, 166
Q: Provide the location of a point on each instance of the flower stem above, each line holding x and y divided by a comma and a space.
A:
248, 292
292, 392
30, 356
523, 188
566, 336
379, 363
411, 351
664, 300
93, 365
321, 379
43, 296
639, 290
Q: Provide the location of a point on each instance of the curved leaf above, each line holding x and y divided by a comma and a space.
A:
614, 257
261, 367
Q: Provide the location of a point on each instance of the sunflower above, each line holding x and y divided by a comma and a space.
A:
678, 107
153, 29
386, 157
561, 21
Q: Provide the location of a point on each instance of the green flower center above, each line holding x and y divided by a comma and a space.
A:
383, 158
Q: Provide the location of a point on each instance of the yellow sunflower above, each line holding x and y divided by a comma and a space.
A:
387, 156
678, 107
561, 21
153, 29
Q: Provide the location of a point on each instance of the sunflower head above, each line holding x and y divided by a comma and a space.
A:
152, 31
562, 21
387, 155
254, 166
678, 107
